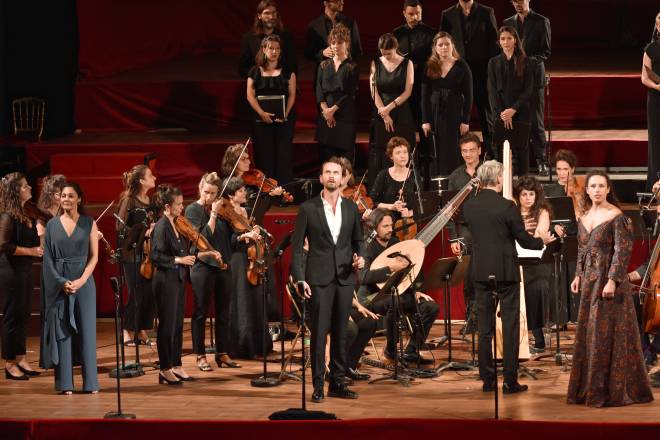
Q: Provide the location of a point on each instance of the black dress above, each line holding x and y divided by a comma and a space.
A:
340, 88
15, 283
652, 117
273, 142
389, 86
446, 103
386, 190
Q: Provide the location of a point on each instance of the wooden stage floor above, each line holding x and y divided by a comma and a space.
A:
226, 393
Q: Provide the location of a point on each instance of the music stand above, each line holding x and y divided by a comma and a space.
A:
391, 288
565, 250
447, 273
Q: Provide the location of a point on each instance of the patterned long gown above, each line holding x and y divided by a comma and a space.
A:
608, 365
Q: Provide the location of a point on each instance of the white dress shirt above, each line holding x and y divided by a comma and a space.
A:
333, 218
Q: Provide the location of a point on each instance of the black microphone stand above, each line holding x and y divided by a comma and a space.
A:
495, 298
116, 288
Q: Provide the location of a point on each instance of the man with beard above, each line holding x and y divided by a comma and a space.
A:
534, 31
474, 30
332, 227
266, 22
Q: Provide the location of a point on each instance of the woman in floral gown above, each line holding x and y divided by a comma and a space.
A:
608, 366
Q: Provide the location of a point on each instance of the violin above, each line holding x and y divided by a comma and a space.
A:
185, 228
359, 195
255, 177
256, 251
575, 190
146, 267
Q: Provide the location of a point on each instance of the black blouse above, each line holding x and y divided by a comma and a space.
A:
220, 239
507, 90
458, 82
338, 87
166, 246
270, 85
132, 211
386, 190
14, 233
653, 52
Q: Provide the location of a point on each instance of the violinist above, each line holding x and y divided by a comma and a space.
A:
355, 191
207, 276
394, 188
135, 209
169, 254
246, 326
19, 246
243, 170
49, 198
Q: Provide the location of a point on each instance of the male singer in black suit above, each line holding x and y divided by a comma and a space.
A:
534, 31
474, 30
332, 227
495, 224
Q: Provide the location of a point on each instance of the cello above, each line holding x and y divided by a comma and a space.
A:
649, 290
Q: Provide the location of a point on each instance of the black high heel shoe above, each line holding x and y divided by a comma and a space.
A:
162, 379
10, 376
181, 378
27, 372
225, 361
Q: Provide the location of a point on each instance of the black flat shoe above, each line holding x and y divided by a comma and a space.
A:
513, 388
342, 391
10, 376
356, 375
317, 395
347, 379
30, 373
226, 362
162, 379
185, 379
489, 387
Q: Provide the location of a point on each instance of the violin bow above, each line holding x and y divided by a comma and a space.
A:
233, 170
104, 211
410, 165
254, 205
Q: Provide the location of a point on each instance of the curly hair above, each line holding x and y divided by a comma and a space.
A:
530, 183
611, 197
340, 34
567, 156
394, 142
231, 156
51, 185
434, 65
165, 195
10, 197
131, 180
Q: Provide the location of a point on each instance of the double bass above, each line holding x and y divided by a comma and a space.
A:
649, 291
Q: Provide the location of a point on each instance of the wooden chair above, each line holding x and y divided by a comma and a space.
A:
28, 116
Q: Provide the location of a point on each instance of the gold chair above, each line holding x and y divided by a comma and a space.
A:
28, 116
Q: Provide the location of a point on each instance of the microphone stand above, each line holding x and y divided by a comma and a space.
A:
418, 191
495, 299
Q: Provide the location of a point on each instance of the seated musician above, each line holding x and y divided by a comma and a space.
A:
411, 302
353, 190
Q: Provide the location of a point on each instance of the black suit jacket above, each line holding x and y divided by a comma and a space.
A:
496, 224
317, 37
326, 261
481, 43
165, 247
536, 41
518, 97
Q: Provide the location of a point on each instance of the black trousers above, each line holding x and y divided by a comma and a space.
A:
518, 138
207, 282
537, 127
169, 292
360, 330
330, 309
273, 144
480, 95
140, 308
426, 310
509, 299
16, 282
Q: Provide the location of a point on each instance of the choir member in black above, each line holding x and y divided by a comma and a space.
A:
273, 136
19, 247
446, 103
474, 30
318, 46
389, 191
135, 209
246, 338
651, 79
332, 227
411, 302
267, 22
535, 211
392, 78
415, 41
209, 279
510, 88
71, 250
169, 255
336, 89
534, 31
495, 224
470, 146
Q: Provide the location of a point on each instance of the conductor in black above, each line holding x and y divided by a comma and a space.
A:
496, 224
332, 227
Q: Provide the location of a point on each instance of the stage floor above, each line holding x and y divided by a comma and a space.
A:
226, 394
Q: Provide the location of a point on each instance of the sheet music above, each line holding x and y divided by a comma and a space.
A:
529, 253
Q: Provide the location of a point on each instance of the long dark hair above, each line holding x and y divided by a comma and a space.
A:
519, 55
165, 194
258, 27
611, 197
655, 35
79, 192
10, 197
529, 183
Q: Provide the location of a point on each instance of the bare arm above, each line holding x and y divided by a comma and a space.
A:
292, 95
543, 224
646, 80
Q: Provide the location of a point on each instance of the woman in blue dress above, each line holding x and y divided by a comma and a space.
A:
70, 255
